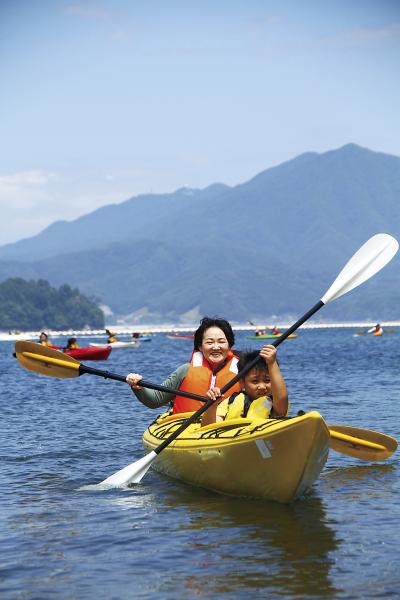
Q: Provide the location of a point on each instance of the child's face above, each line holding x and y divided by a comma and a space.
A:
257, 383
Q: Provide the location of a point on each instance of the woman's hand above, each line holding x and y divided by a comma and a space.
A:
214, 393
268, 353
133, 380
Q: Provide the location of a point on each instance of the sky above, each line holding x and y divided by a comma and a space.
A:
104, 100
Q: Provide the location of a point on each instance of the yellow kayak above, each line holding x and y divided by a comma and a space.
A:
271, 459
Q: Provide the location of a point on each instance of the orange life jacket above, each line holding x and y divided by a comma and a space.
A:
200, 378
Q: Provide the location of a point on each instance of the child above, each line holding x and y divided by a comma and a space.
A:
112, 338
44, 339
72, 344
263, 394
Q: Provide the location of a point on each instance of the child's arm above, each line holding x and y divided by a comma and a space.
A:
210, 415
278, 386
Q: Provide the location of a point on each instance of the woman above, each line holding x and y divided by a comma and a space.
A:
213, 364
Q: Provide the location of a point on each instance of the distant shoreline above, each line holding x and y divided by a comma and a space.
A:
127, 331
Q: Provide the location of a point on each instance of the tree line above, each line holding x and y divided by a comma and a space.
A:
36, 305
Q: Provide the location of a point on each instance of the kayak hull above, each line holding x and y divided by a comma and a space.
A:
117, 345
270, 459
89, 353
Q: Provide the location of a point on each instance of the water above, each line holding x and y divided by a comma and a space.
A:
164, 539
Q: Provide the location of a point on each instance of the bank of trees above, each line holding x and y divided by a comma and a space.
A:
35, 305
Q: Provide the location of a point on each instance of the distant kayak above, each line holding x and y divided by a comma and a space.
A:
177, 336
117, 345
269, 336
94, 353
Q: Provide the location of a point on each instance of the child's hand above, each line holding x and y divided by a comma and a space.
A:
133, 380
268, 353
214, 393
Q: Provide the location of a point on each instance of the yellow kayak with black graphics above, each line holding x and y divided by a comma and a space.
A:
270, 459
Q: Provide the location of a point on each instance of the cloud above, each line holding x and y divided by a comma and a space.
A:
18, 187
87, 11
364, 37
25, 199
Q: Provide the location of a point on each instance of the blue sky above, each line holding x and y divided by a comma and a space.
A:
104, 100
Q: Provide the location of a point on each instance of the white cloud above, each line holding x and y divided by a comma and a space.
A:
365, 36
25, 180
33, 199
93, 11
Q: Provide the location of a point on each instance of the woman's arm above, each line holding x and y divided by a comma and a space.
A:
155, 398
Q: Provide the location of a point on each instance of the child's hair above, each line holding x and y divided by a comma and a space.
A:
208, 322
249, 355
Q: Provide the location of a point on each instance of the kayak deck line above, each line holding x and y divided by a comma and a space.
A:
286, 455
211, 431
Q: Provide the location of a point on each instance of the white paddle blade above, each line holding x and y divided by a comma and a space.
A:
133, 473
367, 261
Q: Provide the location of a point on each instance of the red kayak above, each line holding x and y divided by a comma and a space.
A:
92, 353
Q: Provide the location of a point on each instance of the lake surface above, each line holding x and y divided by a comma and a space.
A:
164, 539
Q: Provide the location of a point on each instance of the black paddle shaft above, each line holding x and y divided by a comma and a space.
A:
207, 401
240, 375
162, 388
275, 343
147, 384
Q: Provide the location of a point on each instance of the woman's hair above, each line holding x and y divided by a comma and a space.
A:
44, 333
208, 322
71, 340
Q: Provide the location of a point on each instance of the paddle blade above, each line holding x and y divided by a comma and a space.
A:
361, 443
133, 473
46, 361
367, 261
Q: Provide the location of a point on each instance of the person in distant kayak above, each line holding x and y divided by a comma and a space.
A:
275, 331
377, 329
213, 363
72, 344
44, 339
135, 336
259, 332
111, 337
263, 391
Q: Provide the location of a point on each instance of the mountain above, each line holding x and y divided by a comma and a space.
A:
264, 249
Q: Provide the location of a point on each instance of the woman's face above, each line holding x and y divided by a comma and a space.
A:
214, 346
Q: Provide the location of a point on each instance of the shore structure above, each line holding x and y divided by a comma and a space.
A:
173, 328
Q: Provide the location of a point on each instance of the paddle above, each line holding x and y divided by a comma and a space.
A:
363, 444
47, 361
367, 261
